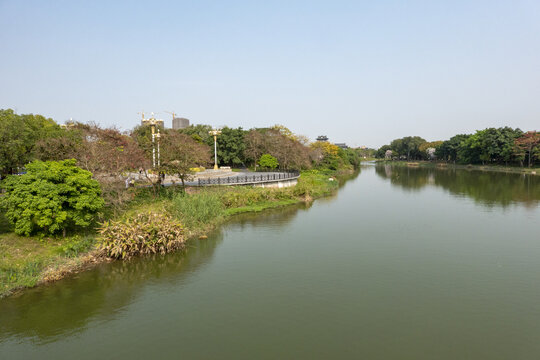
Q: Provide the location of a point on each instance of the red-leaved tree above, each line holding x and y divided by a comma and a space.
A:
528, 143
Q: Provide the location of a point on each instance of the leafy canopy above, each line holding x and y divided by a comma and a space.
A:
18, 136
52, 196
268, 161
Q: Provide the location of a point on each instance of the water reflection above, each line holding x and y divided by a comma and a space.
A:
64, 308
67, 306
486, 188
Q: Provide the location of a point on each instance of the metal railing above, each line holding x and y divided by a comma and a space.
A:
249, 179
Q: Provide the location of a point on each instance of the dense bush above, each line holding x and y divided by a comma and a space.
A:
267, 161
52, 196
147, 233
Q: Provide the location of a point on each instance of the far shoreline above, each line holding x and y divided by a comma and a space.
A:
475, 167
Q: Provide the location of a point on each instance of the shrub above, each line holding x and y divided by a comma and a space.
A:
51, 197
147, 233
267, 161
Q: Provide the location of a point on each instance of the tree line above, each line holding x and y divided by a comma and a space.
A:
502, 146
71, 171
108, 153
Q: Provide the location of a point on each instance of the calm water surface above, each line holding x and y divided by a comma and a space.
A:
402, 264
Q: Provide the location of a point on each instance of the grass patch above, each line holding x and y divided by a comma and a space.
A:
197, 210
259, 207
23, 260
76, 245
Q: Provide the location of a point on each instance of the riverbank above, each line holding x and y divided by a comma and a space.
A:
30, 261
444, 165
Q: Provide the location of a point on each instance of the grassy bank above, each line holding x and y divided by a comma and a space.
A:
443, 165
28, 261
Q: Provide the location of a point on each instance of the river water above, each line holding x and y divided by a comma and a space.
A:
403, 263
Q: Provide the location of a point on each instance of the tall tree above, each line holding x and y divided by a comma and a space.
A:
181, 153
199, 133
408, 146
448, 150
528, 143
230, 145
106, 152
18, 135
291, 154
381, 152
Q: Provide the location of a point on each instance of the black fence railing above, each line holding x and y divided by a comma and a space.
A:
249, 179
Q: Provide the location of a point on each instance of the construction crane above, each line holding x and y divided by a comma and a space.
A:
172, 113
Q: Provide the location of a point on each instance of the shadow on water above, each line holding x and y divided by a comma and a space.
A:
66, 307
491, 189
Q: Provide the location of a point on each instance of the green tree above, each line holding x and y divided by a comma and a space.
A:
267, 161
381, 152
52, 196
199, 133
18, 135
408, 146
354, 156
448, 150
230, 145
470, 150
489, 145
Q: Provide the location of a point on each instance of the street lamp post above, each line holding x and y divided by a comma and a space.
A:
153, 122
215, 134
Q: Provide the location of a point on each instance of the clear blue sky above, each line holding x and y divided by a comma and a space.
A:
361, 72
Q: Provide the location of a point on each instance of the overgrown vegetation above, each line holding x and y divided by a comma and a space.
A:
147, 233
27, 261
210, 206
197, 210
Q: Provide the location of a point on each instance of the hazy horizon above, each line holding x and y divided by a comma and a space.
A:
363, 73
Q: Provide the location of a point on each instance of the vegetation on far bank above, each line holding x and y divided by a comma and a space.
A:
534, 170
491, 146
488, 186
